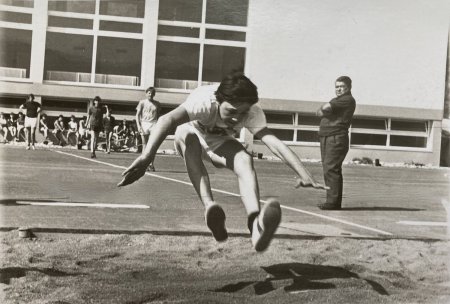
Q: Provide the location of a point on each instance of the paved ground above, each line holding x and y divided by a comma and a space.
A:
378, 202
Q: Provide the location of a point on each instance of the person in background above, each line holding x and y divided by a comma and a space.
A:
12, 125
95, 123
336, 117
4, 127
73, 129
20, 125
31, 120
108, 124
59, 129
147, 113
44, 126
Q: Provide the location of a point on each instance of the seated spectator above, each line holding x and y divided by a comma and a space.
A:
4, 127
12, 125
59, 129
44, 126
131, 136
119, 133
20, 126
73, 129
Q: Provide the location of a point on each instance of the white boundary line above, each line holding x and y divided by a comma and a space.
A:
237, 195
421, 223
62, 204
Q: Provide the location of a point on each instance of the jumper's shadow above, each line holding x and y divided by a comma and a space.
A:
8, 273
300, 277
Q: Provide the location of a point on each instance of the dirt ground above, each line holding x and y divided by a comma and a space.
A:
146, 268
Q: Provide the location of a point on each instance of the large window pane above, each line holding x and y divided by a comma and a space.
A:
85, 6
79, 106
401, 125
21, 3
230, 12
224, 35
15, 53
408, 141
218, 61
365, 123
118, 61
124, 8
308, 120
120, 26
176, 65
68, 57
368, 139
280, 118
166, 30
307, 136
284, 135
15, 17
180, 10
70, 22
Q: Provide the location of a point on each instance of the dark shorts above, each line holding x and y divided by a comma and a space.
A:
96, 128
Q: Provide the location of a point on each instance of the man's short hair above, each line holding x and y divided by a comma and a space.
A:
346, 80
97, 98
237, 88
31, 96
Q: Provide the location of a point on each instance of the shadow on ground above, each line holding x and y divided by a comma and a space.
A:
8, 273
296, 277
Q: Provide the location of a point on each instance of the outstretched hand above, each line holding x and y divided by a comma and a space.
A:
310, 184
134, 172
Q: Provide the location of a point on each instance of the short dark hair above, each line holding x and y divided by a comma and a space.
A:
236, 87
345, 79
31, 95
151, 89
72, 116
97, 98
61, 116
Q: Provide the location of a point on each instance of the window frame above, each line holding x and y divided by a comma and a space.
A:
202, 41
95, 32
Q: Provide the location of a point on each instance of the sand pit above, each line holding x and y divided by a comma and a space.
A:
146, 268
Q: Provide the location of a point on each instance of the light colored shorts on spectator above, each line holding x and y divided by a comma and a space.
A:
30, 122
147, 127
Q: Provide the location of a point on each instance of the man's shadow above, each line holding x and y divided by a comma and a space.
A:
302, 276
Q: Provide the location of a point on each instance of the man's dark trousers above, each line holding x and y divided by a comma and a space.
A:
333, 150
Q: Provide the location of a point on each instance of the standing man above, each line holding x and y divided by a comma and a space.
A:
31, 119
108, 124
147, 114
95, 123
334, 142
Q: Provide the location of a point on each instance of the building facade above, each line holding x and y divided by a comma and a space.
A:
66, 52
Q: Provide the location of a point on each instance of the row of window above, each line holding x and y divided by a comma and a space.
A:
389, 132
291, 128
102, 41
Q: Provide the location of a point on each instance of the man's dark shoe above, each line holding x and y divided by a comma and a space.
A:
328, 206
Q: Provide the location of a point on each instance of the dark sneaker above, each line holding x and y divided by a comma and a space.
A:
328, 206
265, 225
93, 155
215, 220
